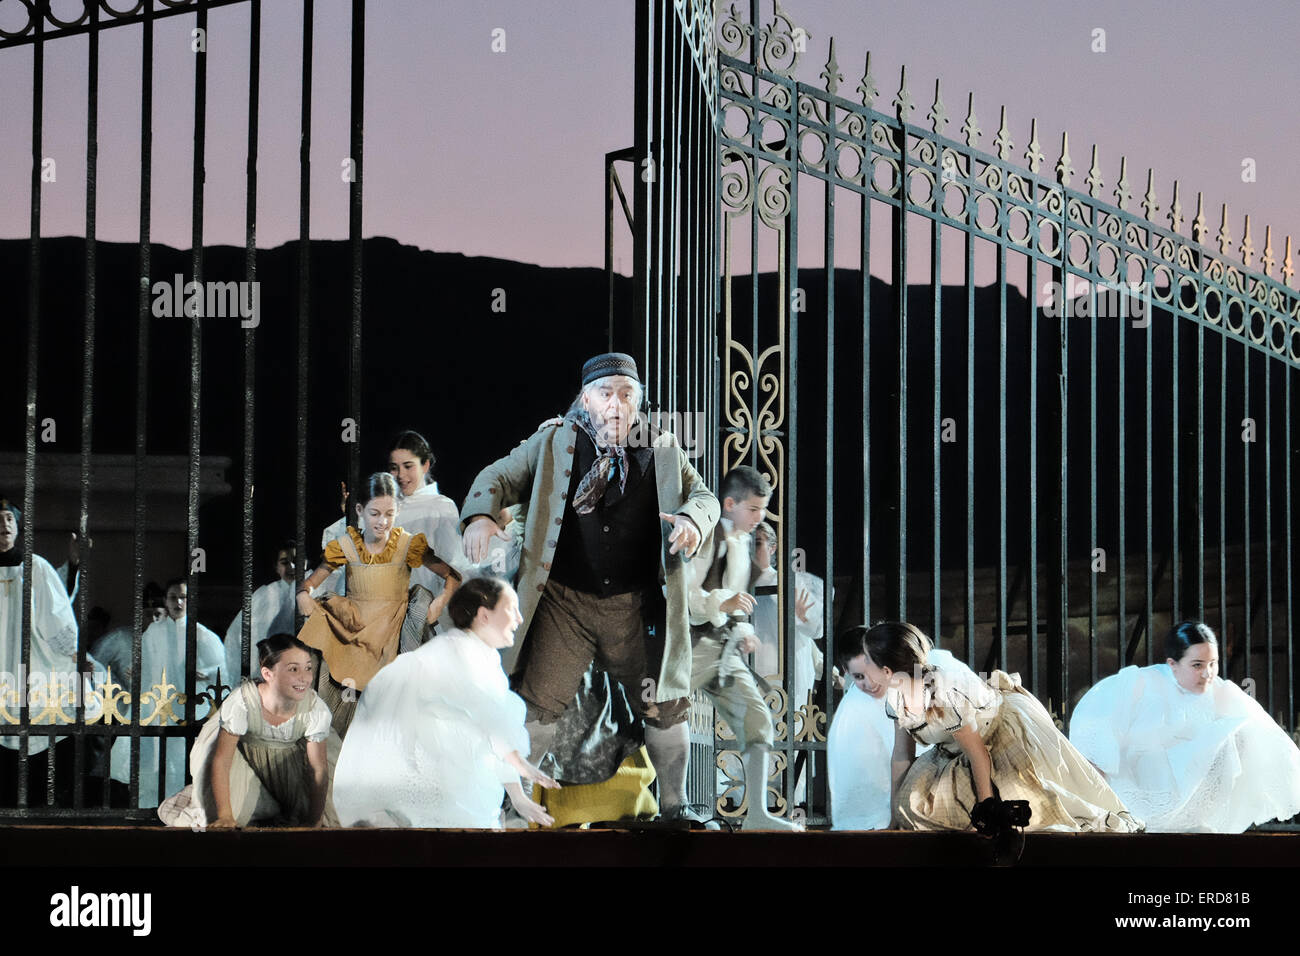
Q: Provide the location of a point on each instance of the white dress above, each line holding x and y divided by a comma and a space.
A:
427, 745
162, 652
53, 651
859, 748
1185, 762
273, 608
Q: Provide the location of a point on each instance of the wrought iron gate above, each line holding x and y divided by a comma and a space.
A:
173, 705
1067, 458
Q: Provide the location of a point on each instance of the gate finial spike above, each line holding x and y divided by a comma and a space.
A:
970, 129
1003, 142
1122, 192
1247, 247
1064, 165
938, 115
1198, 224
1176, 211
867, 87
1224, 237
1149, 204
831, 72
903, 99
1034, 153
1287, 271
1094, 182
1267, 260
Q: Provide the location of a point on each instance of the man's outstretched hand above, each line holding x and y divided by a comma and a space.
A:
478, 537
685, 536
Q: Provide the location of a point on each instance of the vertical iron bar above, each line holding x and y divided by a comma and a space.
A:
1268, 529
1246, 581
1059, 628
658, 168
1001, 636
1175, 493
609, 248
968, 248
1289, 447
250, 346
357, 114
196, 359
670, 179
1148, 543
304, 289
828, 619
864, 266
1223, 480
1121, 491
936, 289
900, 285
29, 450
142, 381
789, 503
1200, 443
641, 246
1031, 564
1094, 667
87, 378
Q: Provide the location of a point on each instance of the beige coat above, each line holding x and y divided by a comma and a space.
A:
538, 471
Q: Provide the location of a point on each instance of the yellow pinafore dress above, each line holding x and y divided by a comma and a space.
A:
359, 634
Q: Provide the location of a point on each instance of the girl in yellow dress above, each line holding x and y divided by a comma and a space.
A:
359, 634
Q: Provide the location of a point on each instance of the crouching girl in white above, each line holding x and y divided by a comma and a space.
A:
1184, 748
438, 736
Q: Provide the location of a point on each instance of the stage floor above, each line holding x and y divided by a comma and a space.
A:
98, 846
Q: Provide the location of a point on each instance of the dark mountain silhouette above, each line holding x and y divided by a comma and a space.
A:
436, 357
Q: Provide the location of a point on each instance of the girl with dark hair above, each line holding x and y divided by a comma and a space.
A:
266, 756
993, 741
1186, 749
424, 510
439, 737
359, 634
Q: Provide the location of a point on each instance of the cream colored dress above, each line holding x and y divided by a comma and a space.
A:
1032, 760
269, 775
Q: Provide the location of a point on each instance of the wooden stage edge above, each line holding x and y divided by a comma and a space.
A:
158, 847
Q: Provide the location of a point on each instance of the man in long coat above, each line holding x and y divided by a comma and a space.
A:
611, 515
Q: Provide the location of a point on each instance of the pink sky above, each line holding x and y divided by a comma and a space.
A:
501, 153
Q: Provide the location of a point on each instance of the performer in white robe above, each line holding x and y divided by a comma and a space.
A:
858, 750
113, 650
1186, 750
438, 736
162, 659
809, 661
273, 607
54, 636
53, 661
